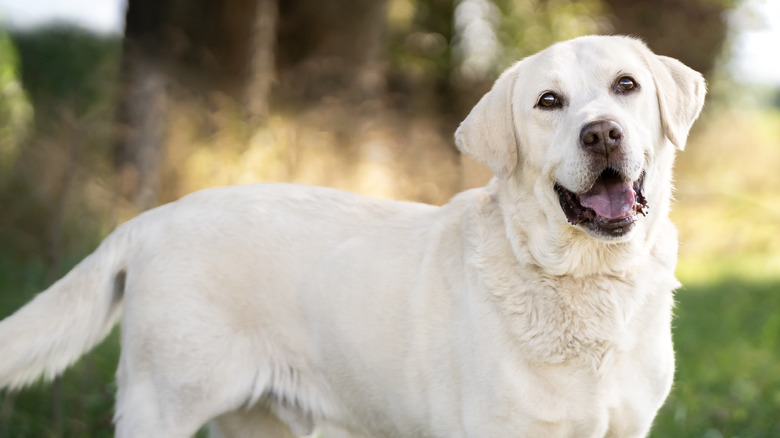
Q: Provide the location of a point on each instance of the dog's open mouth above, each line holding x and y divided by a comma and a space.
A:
610, 207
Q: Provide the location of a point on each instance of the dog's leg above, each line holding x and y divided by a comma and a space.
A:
166, 393
257, 422
144, 411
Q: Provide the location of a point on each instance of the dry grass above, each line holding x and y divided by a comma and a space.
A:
728, 208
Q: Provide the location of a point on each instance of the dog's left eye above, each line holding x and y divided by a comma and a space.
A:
626, 84
549, 100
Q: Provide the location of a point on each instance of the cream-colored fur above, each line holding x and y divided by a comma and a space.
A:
276, 310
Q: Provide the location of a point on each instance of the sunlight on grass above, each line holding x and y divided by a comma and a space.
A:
728, 198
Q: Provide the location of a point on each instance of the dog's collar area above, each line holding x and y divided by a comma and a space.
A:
610, 207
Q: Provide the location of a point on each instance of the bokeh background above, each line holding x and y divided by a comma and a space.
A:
108, 108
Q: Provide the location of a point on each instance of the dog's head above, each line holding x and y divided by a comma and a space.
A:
585, 132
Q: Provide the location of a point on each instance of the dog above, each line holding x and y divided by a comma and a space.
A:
537, 306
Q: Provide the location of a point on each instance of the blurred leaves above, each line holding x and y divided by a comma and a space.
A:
528, 26
66, 65
68, 75
16, 112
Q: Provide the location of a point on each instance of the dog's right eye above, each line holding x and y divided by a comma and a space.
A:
549, 100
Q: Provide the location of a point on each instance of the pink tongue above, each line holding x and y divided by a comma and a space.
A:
610, 198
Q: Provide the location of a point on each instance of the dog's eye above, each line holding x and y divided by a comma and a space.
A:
549, 100
626, 84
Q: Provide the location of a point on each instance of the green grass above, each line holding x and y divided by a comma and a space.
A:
727, 340
85, 401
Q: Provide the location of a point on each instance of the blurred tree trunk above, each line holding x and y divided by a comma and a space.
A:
194, 50
261, 57
142, 102
141, 129
692, 31
331, 49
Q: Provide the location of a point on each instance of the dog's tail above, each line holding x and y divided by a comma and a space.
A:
68, 319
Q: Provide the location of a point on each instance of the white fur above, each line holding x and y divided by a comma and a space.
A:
280, 309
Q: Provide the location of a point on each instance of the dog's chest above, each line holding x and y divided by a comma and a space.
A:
518, 398
591, 357
571, 320
569, 401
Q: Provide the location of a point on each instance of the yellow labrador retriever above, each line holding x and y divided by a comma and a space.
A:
538, 306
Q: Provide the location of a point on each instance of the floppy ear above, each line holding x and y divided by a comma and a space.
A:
487, 135
681, 92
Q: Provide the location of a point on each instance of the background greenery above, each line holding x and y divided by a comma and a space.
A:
60, 193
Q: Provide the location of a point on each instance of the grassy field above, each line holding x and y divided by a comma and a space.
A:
727, 339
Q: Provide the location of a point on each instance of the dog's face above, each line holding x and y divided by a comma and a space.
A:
587, 129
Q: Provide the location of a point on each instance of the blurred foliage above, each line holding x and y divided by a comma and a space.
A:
439, 56
66, 65
528, 26
15, 110
69, 75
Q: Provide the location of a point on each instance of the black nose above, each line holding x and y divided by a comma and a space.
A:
601, 137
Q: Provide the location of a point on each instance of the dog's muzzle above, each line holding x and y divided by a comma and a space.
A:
610, 207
